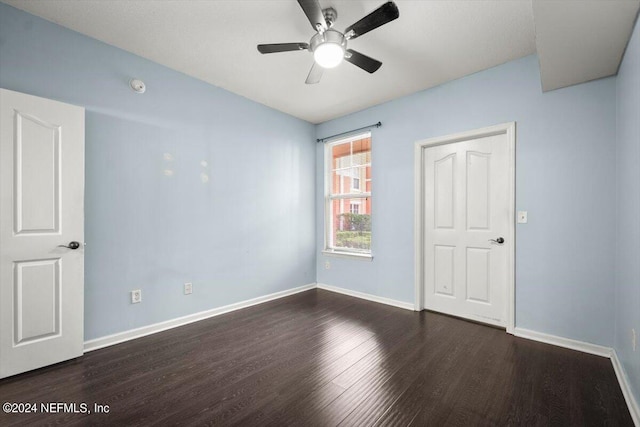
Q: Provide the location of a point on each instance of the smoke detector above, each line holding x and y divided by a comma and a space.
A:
138, 86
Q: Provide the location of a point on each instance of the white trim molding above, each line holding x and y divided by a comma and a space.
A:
582, 346
368, 297
120, 337
508, 129
625, 385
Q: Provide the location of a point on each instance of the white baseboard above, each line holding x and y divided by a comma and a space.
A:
368, 297
120, 337
632, 403
585, 347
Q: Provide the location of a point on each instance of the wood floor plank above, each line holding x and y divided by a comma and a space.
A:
441, 362
317, 362
320, 358
308, 408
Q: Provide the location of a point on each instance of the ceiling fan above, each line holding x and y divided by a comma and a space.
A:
329, 46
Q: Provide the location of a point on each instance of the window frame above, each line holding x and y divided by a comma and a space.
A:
328, 198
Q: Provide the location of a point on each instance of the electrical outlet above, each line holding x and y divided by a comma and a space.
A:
136, 296
327, 265
634, 339
188, 288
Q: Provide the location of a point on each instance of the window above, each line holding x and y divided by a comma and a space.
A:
355, 183
348, 198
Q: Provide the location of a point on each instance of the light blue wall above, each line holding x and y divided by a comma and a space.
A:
248, 232
565, 178
627, 302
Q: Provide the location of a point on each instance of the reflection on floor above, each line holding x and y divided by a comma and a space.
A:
319, 358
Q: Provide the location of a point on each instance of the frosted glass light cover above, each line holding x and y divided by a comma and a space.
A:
328, 55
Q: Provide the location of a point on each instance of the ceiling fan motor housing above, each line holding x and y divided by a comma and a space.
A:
329, 36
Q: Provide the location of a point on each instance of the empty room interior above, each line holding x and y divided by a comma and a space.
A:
320, 212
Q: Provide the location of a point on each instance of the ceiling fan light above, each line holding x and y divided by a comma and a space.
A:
328, 55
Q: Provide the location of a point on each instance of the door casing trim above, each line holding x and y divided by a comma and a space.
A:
508, 129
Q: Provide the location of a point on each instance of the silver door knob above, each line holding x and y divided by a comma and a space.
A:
72, 245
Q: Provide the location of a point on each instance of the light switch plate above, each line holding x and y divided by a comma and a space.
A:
522, 217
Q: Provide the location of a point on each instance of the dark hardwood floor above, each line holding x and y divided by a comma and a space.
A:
320, 358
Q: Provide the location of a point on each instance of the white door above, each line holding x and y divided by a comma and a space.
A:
41, 208
467, 220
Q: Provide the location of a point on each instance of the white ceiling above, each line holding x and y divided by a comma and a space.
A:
579, 41
431, 43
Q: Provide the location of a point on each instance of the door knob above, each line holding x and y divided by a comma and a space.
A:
72, 245
499, 240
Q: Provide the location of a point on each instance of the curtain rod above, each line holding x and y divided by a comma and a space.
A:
377, 125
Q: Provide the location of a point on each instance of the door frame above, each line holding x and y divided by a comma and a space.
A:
508, 129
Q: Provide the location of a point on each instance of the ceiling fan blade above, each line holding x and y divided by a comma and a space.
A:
315, 74
382, 15
368, 64
281, 47
314, 13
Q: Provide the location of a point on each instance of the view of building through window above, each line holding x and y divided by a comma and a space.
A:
349, 199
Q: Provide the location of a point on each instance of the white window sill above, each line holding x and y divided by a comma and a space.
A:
352, 255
